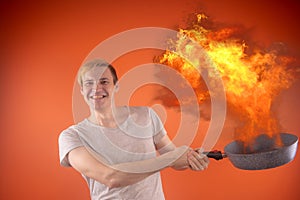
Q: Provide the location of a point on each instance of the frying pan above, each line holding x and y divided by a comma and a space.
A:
263, 153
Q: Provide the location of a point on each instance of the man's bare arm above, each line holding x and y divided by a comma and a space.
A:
125, 173
192, 160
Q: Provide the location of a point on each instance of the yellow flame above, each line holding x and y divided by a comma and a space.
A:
251, 81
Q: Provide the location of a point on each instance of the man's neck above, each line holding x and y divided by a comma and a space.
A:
108, 118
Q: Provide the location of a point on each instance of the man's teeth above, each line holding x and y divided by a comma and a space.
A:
98, 96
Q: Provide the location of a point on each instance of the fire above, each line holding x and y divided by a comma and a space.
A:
251, 80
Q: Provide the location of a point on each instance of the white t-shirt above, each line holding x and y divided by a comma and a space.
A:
133, 140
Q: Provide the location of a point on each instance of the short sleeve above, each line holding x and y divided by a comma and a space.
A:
67, 141
159, 130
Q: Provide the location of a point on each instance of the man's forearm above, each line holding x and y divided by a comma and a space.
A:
153, 164
133, 172
123, 174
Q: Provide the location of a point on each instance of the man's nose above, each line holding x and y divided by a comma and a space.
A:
98, 85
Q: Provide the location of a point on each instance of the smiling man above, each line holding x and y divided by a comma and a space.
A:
116, 147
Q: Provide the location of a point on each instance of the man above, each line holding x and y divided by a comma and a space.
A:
115, 148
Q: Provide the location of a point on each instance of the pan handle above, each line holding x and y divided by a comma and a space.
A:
215, 154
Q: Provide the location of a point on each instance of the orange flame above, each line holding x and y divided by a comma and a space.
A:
251, 81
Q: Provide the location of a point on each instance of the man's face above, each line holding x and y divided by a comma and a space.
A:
97, 88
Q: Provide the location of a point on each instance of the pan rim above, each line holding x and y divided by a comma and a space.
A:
285, 146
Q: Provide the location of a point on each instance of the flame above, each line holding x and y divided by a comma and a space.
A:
251, 80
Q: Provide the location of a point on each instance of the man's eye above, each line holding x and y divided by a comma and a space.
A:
104, 82
88, 83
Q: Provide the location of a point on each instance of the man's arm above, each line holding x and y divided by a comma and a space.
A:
192, 159
123, 174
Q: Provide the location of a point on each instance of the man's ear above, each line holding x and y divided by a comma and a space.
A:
81, 90
117, 87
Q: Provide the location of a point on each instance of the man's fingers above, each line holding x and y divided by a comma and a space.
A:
200, 157
198, 161
194, 166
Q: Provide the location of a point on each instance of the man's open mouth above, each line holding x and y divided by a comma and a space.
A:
95, 97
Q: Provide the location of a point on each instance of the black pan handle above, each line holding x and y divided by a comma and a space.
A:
215, 154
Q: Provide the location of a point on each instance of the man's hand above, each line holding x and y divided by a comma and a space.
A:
181, 162
190, 159
197, 161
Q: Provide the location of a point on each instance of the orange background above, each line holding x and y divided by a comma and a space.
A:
44, 42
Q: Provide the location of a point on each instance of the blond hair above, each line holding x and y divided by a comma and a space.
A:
96, 63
